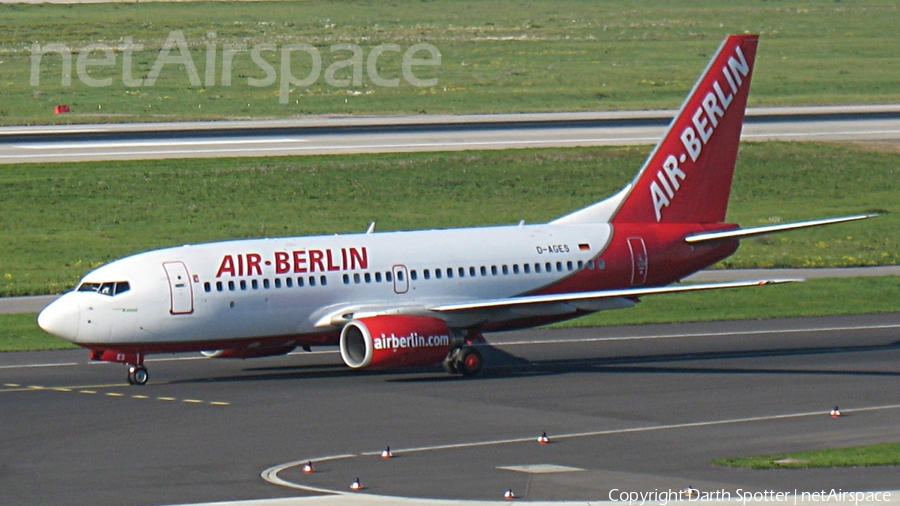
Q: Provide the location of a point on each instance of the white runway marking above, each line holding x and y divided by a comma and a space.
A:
699, 334
147, 144
271, 474
526, 343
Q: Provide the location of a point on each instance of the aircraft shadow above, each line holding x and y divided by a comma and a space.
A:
501, 364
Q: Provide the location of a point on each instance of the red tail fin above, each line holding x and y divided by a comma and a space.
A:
687, 178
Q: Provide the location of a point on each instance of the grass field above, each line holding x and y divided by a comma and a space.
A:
812, 298
57, 221
537, 55
887, 454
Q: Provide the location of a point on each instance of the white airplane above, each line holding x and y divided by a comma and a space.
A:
419, 298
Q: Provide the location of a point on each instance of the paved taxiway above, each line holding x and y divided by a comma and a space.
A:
316, 136
634, 408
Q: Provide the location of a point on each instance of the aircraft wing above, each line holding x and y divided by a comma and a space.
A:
627, 293
743, 233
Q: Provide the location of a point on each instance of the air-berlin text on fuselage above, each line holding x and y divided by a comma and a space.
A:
294, 262
705, 120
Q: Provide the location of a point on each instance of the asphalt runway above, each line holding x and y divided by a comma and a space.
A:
319, 136
628, 408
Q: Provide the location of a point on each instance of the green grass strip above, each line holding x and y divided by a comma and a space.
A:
58, 221
496, 56
886, 454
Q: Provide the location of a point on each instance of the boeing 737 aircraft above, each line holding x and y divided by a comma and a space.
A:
419, 298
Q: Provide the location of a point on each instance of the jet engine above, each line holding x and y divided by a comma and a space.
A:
395, 341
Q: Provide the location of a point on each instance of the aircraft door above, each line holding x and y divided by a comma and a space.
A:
639, 260
181, 291
401, 279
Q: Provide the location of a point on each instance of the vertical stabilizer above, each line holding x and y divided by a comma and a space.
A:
687, 178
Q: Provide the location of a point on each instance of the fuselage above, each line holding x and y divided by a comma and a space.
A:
277, 291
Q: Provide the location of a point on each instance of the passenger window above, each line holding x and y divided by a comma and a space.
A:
346, 278
437, 274
483, 270
505, 270
388, 277
601, 264
255, 284
243, 284
289, 282
426, 274
299, 282
207, 287
559, 266
494, 270
548, 267
231, 286
515, 268
218, 286
526, 268
462, 272
472, 272
378, 277
368, 277
323, 280
356, 278
312, 281
266, 283
399, 275
277, 282
569, 265
412, 275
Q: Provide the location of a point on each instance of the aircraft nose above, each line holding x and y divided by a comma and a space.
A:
60, 318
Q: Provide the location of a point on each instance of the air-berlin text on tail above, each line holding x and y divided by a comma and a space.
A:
695, 135
293, 262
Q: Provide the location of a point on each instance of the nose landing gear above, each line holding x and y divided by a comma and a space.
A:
137, 373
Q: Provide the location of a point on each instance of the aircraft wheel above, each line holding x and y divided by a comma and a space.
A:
138, 375
469, 361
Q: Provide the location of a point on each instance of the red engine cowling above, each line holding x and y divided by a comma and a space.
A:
394, 341
256, 352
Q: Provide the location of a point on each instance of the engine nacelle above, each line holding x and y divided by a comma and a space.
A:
256, 352
395, 341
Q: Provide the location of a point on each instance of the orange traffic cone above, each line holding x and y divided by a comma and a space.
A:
308, 468
356, 485
543, 439
835, 413
386, 454
509, 494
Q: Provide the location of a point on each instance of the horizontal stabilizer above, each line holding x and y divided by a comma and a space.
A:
742, 233
598, 295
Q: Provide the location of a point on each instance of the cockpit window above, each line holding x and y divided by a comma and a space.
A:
108, 288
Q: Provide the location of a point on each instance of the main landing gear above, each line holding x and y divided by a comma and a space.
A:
137, 373
465, 360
